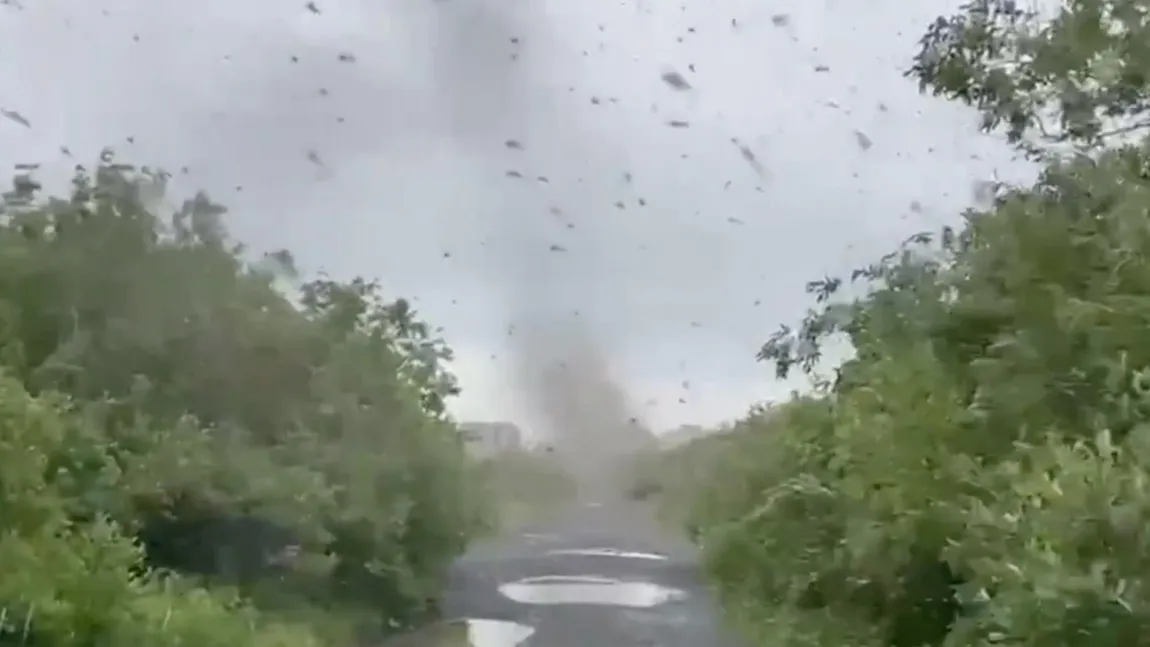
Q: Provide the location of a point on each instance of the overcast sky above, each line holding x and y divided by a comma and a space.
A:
680, 254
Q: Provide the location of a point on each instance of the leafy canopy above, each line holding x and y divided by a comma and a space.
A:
977, 473
169, 403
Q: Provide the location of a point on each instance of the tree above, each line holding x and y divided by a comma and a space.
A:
975, 474
299, 455
1080, 78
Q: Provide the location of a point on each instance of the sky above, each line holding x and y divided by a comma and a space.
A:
512, 162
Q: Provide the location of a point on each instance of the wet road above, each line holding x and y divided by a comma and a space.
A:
595, 576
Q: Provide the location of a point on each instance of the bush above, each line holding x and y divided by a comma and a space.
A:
527, 484
294, 456
82, 583
979, 472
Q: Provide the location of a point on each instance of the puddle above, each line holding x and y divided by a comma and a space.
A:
607, 552
466, 632
561, 589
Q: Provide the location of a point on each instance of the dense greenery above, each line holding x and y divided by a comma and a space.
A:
188, 457
528, 485
979, 472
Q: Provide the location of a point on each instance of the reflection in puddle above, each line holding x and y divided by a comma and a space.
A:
466, 632
606, 552
558, 589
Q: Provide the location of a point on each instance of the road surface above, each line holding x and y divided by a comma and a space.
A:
595, 575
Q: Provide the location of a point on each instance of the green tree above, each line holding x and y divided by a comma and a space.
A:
298, 452
70, 582
1079, 78
976, 473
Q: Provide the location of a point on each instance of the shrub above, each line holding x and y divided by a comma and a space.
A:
295, 453
977, 473
81, 583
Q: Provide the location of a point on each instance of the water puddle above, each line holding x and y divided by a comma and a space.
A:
465, 632
607, 552
563, 589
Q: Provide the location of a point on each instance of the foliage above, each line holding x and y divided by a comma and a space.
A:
296, 454
68, 582
677, 478
1078, 79
527, 484
978, 473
